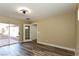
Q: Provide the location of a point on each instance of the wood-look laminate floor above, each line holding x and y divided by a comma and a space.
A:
32, 49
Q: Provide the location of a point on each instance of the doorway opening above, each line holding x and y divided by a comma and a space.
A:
9, 34
30, 32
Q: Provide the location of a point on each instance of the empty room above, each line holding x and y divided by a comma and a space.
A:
39, 29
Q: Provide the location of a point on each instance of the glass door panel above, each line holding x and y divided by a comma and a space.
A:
14, 33
27, 33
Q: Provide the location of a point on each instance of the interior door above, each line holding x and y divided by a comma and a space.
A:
26, 32
33, 32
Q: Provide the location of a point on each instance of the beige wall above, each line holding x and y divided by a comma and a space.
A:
58, 30
77, 42
14, 21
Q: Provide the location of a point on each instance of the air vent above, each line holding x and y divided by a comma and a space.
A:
27, 18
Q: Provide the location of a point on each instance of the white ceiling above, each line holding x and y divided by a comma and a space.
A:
39, 10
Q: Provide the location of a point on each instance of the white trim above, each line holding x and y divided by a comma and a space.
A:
56, 46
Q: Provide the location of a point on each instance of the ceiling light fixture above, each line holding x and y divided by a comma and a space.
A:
24, 10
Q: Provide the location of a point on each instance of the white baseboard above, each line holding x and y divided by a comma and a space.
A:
70, 49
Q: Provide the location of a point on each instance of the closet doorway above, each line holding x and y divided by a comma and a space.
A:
9, 34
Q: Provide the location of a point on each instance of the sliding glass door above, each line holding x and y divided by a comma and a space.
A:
9, 34
4, 34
